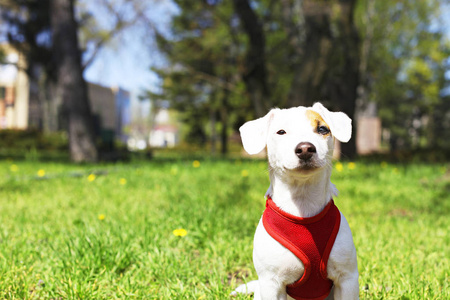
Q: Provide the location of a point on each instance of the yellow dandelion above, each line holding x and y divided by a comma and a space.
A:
14, 168
91, 177
196, 164
122, 181
174, 171
339, 167
41, 173
383, 164
101, 217
180, 232
351, 165
244, 173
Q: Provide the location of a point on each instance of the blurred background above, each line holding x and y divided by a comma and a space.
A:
100, 79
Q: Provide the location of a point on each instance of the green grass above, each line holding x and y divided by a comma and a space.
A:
65, 237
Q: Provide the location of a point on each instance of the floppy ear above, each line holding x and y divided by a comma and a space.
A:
254, 133
340, 124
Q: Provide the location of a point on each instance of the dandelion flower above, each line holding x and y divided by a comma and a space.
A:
41, 173
383, 164
174, 171
180, 232
196, 164
339, 167
91, 177
244, 173
351, 165
101, 217
14, 168
122, 181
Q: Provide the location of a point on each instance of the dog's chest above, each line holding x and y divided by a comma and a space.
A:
271, 257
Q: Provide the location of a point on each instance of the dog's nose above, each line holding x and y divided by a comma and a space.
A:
305, 150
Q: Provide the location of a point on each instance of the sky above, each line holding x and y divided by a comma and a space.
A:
126, 61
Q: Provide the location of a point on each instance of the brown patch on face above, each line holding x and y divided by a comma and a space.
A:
317, 121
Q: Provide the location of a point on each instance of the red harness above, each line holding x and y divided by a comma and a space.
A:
311, 240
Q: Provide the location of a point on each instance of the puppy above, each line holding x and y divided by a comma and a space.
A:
303, 246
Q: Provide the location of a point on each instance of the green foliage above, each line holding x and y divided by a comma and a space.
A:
406, 67
200, 54
28, 24
31, 142
2, 56
205, 52
403, 49
67, 233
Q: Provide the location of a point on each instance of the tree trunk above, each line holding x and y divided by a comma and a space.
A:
255, 74
345, 78
70, 83
328, 69
310, 73
224, 109
212, 120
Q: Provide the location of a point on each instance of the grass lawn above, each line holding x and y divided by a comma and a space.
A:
107, 232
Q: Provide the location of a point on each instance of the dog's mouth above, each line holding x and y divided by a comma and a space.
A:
307, 165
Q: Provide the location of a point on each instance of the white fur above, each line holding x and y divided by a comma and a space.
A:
302, 189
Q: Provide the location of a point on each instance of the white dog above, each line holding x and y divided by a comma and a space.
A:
308, 265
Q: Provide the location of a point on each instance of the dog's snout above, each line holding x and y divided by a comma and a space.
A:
305, 150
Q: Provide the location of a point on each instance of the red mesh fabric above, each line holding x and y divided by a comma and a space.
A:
311, 240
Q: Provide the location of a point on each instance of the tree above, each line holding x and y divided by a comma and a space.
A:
404, 70
28, 31
289, 52
70, 85
327, 58
203, 55
31, 33
262, 42
254, 74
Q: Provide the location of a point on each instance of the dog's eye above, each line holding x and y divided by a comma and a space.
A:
323, 130
281, 132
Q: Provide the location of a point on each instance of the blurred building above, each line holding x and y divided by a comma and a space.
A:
368, 139
123, 113
165, 132
111, 110
110, 105
14, 90
369, 130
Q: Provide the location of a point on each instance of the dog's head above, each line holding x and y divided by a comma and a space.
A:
298, 139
